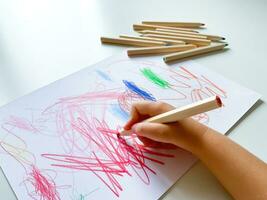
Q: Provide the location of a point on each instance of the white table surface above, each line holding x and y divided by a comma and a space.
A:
44, 40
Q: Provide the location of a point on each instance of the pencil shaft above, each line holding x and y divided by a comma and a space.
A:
175, 42
200, 42
153, 27
173, 34
176, 31
131, 42
175, 24
187, 111
157, 50
183, 112
210, 37
193, 52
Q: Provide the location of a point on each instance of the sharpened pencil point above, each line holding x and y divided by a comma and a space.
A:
123, 132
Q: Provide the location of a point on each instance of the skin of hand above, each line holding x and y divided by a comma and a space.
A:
242, 174
184, 134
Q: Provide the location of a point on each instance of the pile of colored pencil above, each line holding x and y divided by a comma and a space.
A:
176, 40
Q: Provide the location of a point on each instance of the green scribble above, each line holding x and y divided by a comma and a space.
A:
82, 197
154, 78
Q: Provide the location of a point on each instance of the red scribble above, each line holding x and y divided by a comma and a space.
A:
222, 92
68, 109
16, 147
205, 88
126, 100
112, 156
199, 86
44, 185
194, 88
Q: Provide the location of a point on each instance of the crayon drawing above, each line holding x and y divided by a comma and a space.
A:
62, 142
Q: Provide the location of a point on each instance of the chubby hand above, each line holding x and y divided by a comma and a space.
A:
186, 133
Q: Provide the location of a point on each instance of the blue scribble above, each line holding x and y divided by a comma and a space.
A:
134, 88
103, 75
118, 111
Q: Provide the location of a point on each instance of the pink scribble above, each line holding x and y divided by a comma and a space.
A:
19, 123
126, 100
44, 185
112, 156
205, 88
194, 88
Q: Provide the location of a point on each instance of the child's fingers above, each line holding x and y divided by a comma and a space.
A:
139, 111
153, 131
154, 144
150, 108
144, 109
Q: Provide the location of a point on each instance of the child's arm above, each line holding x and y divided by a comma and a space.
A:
240, 172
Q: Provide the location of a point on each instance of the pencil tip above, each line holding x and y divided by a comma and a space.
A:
225, 44
123, 132
120, 130
223, 38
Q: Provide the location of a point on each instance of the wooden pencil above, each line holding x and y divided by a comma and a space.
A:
153, 27
183, 112
157, 50
175, 31
131, 42
175, 24
199, 42
209, 37
193, 52
173, 34
169, 42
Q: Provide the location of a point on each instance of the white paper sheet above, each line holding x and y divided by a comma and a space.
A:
60, 141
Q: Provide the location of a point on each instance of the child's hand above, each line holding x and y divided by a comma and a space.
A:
186, 133
240, 172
